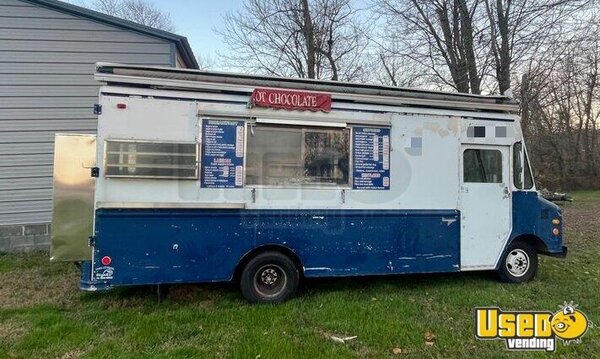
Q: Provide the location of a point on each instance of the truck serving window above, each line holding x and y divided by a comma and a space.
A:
482, 166
151, 160
295, 156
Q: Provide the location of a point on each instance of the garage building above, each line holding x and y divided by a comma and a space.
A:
47, 54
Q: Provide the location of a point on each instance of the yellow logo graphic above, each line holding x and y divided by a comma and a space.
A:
570, 324
532, 330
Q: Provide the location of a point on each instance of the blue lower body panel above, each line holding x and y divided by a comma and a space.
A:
186, 246
532, 216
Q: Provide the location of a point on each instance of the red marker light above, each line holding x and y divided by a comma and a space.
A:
121, 106
106, 260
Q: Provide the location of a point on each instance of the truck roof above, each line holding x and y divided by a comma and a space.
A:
198, 80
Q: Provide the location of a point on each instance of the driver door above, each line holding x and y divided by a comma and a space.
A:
485, 205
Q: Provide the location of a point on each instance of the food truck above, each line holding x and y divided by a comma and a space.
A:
198, 176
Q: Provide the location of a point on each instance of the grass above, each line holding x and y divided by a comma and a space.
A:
43, 315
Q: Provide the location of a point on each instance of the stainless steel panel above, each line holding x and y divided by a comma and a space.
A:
73, 206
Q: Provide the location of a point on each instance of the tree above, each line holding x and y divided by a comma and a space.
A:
560, 105
321, 39
140, 11
520, 29
439, 33
206, 62
474, 45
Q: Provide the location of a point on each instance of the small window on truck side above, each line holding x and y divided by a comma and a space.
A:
151, 159
482, 166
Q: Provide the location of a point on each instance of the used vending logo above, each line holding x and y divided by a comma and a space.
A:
532, 330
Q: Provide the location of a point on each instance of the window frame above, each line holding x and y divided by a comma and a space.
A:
462, 162
318, 127
132, 176
525, 168
521, 184
528, 166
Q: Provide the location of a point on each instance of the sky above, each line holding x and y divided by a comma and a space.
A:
194, 19
197, 19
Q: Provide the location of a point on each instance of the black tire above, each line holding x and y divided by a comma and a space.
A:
519, 263
270, 277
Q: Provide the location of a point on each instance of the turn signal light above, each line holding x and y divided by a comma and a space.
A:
556, 221
555, 231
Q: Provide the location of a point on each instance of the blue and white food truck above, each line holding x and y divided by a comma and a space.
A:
207, 177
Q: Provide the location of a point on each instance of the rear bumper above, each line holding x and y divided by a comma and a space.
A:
561, 254
89, 286
86, 283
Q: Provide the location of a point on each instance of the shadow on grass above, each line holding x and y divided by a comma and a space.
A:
212, 293
413, 282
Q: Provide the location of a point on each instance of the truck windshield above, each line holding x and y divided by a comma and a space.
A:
518, 165
528, 177
521, 169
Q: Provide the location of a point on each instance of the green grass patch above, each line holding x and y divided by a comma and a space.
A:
43, 315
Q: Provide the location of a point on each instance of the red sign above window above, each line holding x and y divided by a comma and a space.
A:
291, 100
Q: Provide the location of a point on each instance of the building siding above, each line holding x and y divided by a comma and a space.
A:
47, 62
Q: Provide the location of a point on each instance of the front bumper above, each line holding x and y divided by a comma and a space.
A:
561, 254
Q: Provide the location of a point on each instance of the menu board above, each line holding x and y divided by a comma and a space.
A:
371, 158
222, 154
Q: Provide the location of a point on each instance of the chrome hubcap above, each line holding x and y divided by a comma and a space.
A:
270, 280
269, 276
517, 262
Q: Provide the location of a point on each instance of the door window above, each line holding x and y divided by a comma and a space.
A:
482, 166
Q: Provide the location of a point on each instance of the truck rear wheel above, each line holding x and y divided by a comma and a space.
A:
519, 263
270, 277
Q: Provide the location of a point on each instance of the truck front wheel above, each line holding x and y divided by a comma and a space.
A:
519, 263
270, 277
